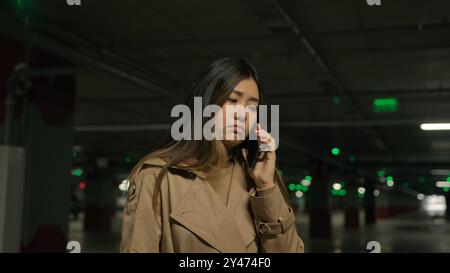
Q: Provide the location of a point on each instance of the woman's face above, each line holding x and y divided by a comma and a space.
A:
237, 124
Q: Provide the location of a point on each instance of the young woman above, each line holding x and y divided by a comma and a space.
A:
211, 195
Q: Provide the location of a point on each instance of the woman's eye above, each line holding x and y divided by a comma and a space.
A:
232, 100
252, 108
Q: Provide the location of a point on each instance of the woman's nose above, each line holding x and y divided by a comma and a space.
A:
239, 116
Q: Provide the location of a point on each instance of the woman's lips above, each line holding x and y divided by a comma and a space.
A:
238, 129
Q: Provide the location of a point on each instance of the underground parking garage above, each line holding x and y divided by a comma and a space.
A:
357, 98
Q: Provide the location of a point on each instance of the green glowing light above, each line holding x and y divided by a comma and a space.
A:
340, 192
292, 187
127, 159
335, 151
383, 105
308, 178
77, 172
300, 187
19, 4
381, 173
336, 100
22, 7
305, 182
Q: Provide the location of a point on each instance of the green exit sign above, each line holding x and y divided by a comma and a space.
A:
383, 105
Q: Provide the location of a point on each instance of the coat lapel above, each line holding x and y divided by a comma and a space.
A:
239, 205
189, 212
226, 228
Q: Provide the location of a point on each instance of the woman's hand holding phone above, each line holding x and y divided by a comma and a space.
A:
264, 169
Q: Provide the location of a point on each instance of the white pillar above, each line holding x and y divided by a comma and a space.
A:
12, 178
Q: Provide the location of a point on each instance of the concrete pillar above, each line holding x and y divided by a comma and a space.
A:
369, 203
12, 157
351, 205
100, 206
12, 178
447, 211
318, 200
43, 126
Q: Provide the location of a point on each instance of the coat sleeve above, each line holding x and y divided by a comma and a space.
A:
275, 222
141, 230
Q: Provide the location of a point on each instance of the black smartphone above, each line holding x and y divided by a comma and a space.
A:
253, 153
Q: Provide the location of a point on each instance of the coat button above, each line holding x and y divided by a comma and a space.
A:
264, 228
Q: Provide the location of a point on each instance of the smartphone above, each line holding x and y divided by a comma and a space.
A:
253, 153
253, 149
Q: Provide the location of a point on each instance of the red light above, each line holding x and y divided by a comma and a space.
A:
82, 185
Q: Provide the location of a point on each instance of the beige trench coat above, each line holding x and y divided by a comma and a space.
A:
192, 218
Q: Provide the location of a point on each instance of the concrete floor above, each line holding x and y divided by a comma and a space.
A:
415, 232
96, 242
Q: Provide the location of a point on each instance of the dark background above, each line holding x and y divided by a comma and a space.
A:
106, 74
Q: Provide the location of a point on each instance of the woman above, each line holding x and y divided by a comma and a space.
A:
206, 195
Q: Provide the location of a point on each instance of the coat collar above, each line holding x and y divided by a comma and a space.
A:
156, 161
227, 228
159, 162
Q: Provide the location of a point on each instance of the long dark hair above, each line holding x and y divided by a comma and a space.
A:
214, 84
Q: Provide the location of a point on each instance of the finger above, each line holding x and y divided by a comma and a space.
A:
268, 145
262, 132
264, 138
